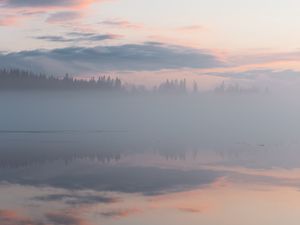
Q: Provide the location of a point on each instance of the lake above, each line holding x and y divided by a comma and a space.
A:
123, 162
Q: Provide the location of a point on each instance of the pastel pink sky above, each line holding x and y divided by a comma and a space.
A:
243, 35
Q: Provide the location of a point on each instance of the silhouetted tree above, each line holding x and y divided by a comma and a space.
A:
173, 87
15, 79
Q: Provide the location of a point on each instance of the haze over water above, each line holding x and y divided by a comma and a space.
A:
196, 158
138, 112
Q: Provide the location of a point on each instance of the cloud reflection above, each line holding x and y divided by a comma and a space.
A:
76, 199
10, 217
120, 213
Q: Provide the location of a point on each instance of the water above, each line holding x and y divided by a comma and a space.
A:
156, 169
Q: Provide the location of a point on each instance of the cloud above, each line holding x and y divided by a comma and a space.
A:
64, 219
9, 217
15, 17
121, 24
79, 37
32, 12
192, 209
58, 11
128, 57
63, 17
264, 58
144, 180
257, 74
46, 3
9, 21
120, 213
54, 38
74, 199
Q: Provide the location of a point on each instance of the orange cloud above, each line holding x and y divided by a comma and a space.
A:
9, 217
48, 4
57, 10
9, 21
7, 214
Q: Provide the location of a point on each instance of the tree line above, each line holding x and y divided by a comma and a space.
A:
15, 79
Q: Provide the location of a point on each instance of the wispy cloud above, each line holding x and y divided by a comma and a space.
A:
10, 217
121, 24
120, 213
192, 209
77, 199
78, 37
9, 21
57, 10
65, 218
63, 17
43, 3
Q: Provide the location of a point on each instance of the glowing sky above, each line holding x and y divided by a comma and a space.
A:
142, 35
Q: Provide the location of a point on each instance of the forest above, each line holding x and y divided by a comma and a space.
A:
20, 80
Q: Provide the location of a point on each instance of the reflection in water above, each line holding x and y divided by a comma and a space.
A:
66, 178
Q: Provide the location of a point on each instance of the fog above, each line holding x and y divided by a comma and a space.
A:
250, 124
113, 157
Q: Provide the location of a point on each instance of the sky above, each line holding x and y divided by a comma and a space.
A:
251, 42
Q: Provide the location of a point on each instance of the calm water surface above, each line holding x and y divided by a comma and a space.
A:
113, 177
